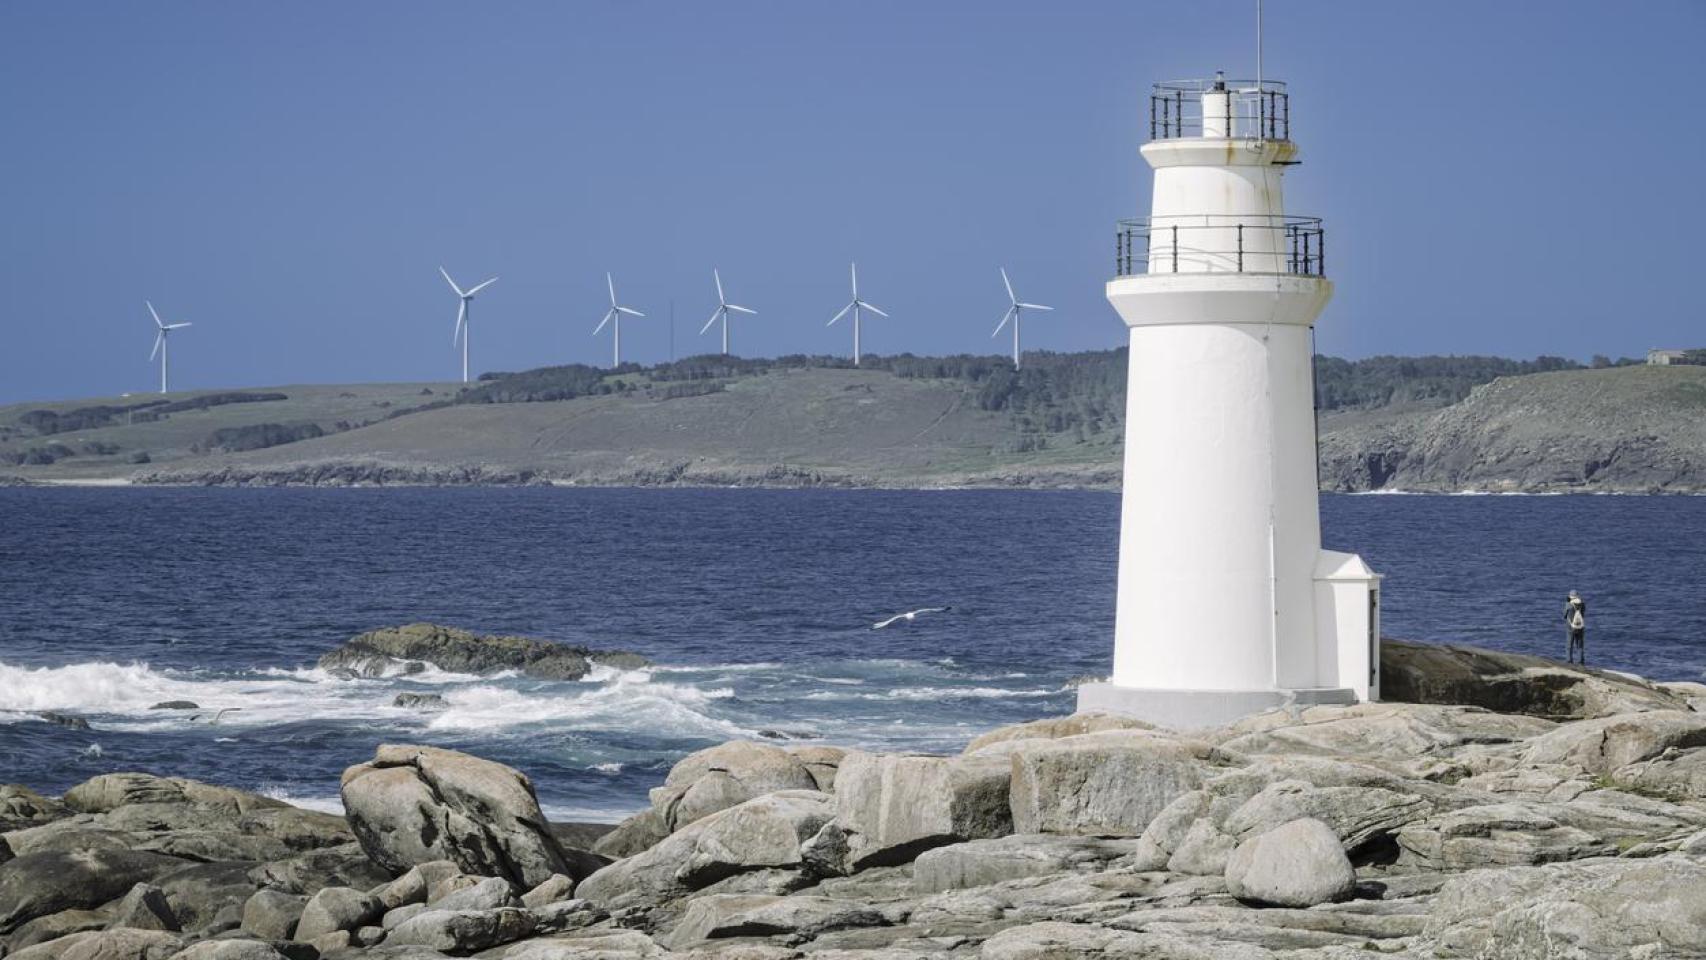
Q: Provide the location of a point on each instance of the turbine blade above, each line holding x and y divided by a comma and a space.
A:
461, 317
872, 308
1003, 324
606, 320
742, 309
481, 287
177, 326
156, 316
711, 322
630, 311
838, 316
853, 268
611, 282
719, 278
452, 283
1034, 306
1009, 285
158, 337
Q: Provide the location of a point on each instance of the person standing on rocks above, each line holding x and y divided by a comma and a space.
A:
1576, 622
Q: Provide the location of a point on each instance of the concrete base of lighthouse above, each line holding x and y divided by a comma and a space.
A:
1192, 709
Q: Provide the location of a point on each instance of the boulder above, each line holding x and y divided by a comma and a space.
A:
420, 701
1298, 864
411, 805
745, 915
176, 705
1678, 775
208, 897
1111, 783
22, 807
978, 863
487, 894
1360, 816
1601, 746
1204, 850
1603, 908
763, 833
391, 649
37, 884
558, 887
1497, 834
1512, 683
823, 763
144, 908
343, 865
462, 931
592, 945
337, 908
639, 832
272, 914
892, 808
122, 944
230, 950
395, 916
722, 776
1054, 728
564, 915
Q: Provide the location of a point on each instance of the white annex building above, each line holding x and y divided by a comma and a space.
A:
1227, 603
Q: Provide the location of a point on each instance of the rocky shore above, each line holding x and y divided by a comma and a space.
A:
1568, 822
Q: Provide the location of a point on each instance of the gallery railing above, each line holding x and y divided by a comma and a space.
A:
1231, 243
1239, 109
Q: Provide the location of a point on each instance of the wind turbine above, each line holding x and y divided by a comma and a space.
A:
856, 306
1015, 311
722, 312
161, 330
467, 297
615, 314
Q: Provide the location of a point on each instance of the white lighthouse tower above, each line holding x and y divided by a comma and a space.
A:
1227, 603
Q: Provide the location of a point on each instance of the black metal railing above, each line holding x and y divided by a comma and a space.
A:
1233, 243
1234, 109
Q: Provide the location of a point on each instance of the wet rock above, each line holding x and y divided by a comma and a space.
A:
893, 808
766, 832
763, 916
420, 701
1512, 683
388, 650
65, 720
176, 705
1104, 784
462, 931
1299, 864
144, 908
37, 884
272, 914
979, 863
411, 805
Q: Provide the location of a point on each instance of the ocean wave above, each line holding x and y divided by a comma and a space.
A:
666, 708
935, 693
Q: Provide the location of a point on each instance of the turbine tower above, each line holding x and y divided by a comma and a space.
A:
856, 305
467, 297
614, 317
1015, 311
161, 330
1227, 604
722, 312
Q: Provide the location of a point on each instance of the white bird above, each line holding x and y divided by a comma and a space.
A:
160, 332
856, 305
909, 616
722, 312
614, 315
467, 297
1015, 310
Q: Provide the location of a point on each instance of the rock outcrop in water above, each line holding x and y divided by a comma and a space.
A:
1411, 830
402, 649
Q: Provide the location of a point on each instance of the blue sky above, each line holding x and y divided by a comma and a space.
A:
1496, 177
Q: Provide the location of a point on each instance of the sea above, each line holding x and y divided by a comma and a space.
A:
755, 606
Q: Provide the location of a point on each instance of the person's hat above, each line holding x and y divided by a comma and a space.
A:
1574, 595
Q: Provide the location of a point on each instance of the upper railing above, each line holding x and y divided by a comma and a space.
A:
1234, 109
1203, 243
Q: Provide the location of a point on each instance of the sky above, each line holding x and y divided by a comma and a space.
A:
1508, 178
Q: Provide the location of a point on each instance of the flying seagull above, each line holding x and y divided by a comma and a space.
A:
909, 617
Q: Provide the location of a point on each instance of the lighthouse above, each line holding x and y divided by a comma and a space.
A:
1227, 605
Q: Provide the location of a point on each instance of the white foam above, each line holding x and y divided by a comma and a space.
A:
665, 708
933, 693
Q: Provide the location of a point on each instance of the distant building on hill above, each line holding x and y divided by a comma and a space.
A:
1664, 358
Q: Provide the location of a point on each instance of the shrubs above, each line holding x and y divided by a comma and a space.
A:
259, 435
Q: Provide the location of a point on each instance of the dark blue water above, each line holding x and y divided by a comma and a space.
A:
756, 605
